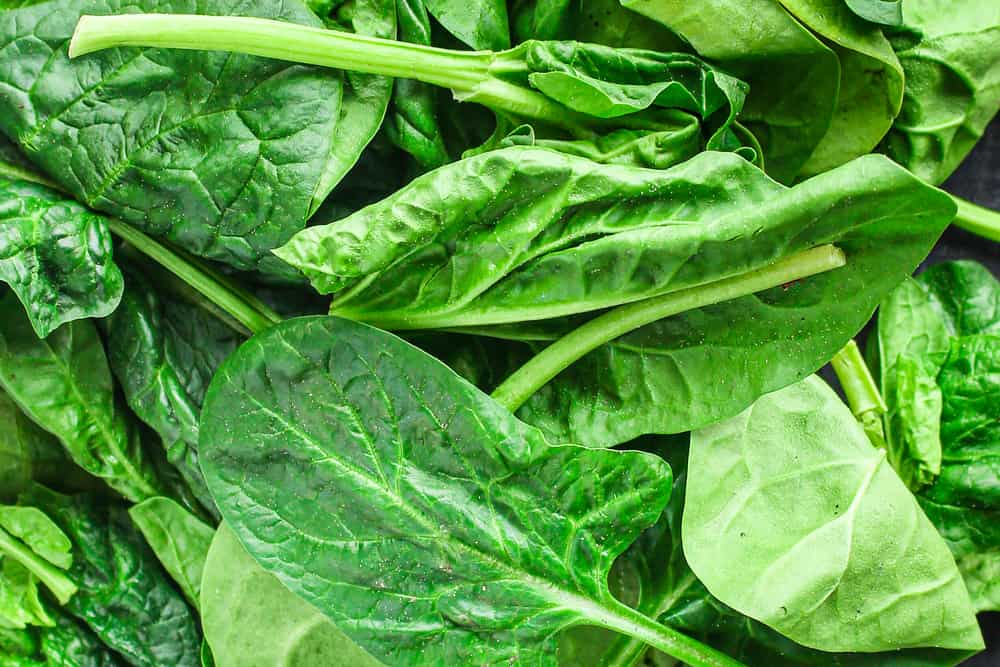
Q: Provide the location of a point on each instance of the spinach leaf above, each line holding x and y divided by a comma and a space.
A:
541, 19
885, 12
857, 566
571, 90
950, 52
63, 384
125, 597
251, 619
480, 24
56, 256
225, 156
490, 540
178, 538
164, 351
412, 123
572, 236
653, 576
71, 644
792, 53
949, 319
28, 453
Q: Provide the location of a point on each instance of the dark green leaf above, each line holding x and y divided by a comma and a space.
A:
164, 352
63, 384
857, 566
70, 644
125, 597
387, 457
224, 155
56, 256
252, 620
480, 24
179, 539
950, 52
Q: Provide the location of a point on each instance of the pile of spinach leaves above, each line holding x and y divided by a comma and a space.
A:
419, 332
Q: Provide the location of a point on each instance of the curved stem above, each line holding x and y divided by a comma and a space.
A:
630, 622
857, 382
978, 220
551, 361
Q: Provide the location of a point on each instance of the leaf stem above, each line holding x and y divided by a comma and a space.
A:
558, 356
856, 379
61, 586
630, 622
472, 75
978, 220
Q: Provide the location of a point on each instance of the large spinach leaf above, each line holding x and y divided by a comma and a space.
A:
946, 323
856, 567
573, 236
825, 84
56, 256
124, 595
251, 619
480, 24
179, 539
950, 52
489, 539
226, 156
164, 350
64, 384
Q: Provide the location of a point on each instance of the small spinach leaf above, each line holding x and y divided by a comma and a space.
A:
178, 538
252, 620
64, 384
857, 566
56, 256
884, 12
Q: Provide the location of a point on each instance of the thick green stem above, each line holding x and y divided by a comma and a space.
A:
475, 76
857, 382
561, 354
204, 283
978, 220
630, 622
53, 578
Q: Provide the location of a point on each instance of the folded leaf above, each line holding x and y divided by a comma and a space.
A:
857, 566
950, 53
64, 385
56, 256
251, 619
179, 539
490, 539
225, 156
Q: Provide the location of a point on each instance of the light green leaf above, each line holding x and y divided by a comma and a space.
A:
856, 567
179, 539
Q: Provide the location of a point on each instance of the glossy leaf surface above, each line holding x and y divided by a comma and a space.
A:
63, 384
410, 459
56, 256
856, 567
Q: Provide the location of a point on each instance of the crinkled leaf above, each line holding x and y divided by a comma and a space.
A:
69, 643
251, 619
125, 597
570, 236
56, 256
857, 566
164, 351
225, 155
490, 539
950, 53
63, 384
179, 539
